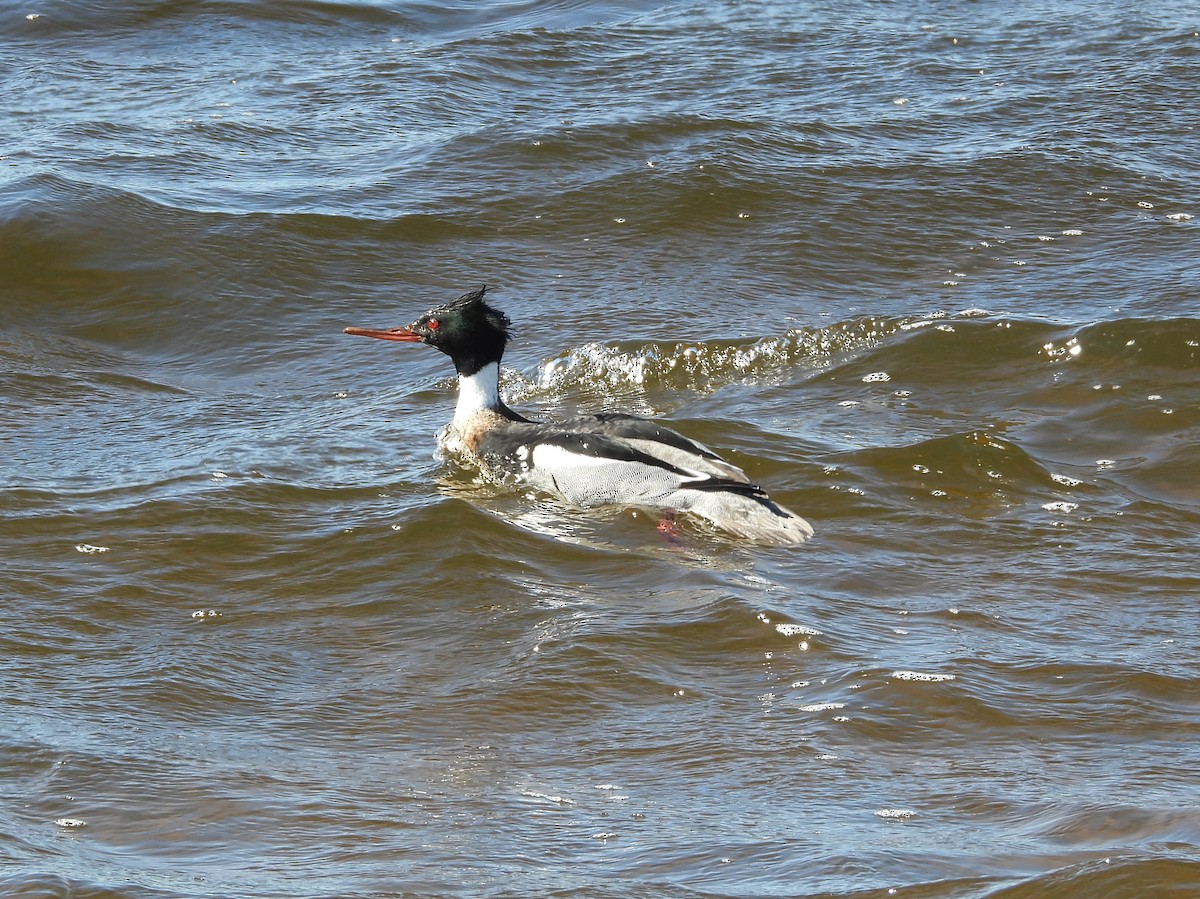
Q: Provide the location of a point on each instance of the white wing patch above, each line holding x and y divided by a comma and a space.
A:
552, 457
588, 480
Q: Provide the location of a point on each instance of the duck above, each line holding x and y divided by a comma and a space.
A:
588, 461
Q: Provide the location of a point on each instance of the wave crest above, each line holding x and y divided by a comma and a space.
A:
703, 366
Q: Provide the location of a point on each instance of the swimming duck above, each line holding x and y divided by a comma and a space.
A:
610, 459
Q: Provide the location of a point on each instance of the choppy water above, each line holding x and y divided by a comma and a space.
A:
927, 271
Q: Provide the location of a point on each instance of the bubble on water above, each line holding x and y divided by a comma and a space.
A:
822, 707
200, 614
1072, 348
901, 101
1180, 217
1105, 463
1072, 232
70, 822
876, 377
90, 549
923, 676
896, 814
1066, 480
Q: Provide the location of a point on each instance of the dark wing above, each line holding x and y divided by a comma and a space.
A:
655, 439
619, 424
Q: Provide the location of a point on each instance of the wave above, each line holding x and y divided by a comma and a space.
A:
1115, 874
414, 19
104, 19
973, 349
54, 886
703, 366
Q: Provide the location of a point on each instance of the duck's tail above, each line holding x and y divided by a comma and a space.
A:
748, 512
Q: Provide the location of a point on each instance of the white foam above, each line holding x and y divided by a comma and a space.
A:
792, 630
923, 676
822, 707
1060, 506
546, 797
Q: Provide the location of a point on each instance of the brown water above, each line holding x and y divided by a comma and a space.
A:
927, 272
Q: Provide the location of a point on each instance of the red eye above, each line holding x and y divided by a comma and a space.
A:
432, 324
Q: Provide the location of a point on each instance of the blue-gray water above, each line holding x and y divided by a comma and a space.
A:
927, 271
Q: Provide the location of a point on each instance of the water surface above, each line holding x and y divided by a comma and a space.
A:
927, 272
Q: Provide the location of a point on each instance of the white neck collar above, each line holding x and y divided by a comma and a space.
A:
477, 392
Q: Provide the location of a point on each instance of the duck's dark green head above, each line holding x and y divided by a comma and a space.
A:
468, 330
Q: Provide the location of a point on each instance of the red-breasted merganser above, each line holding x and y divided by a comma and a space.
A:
593, 460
